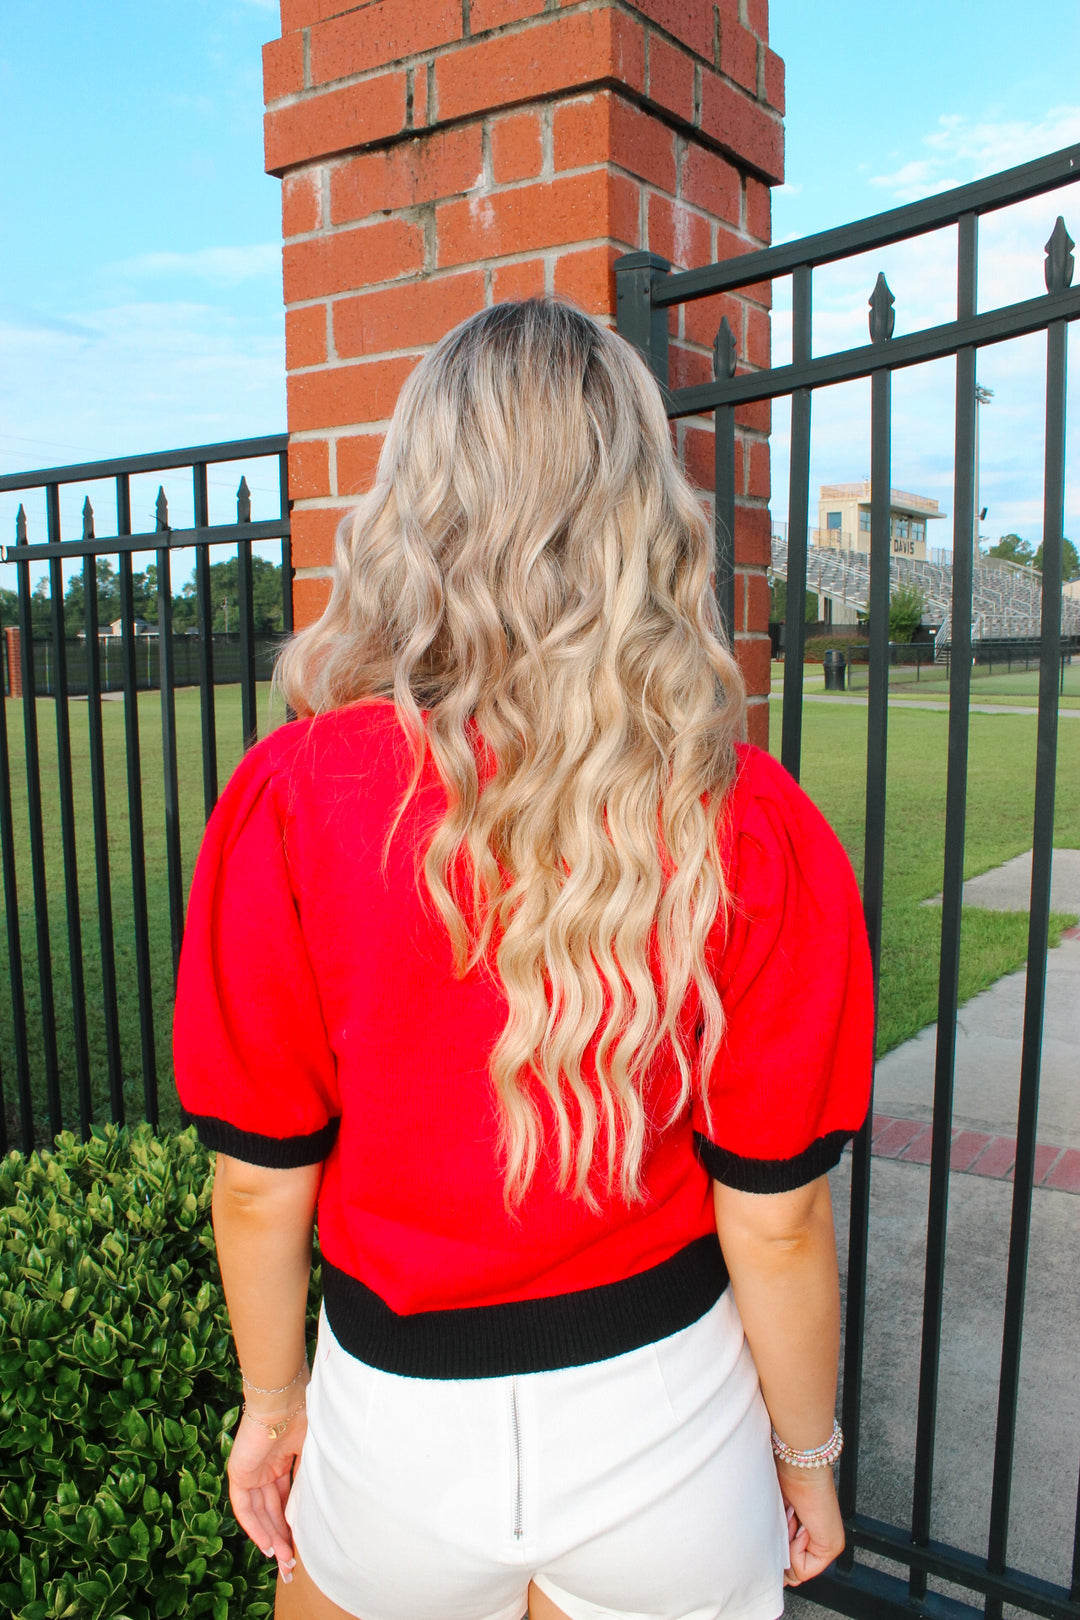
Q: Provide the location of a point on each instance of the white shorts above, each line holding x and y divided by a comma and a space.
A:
637, 1488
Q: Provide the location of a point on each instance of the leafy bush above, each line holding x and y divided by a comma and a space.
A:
906, 604
118, 1389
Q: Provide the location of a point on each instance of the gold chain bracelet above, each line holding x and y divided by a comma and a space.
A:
274, 1430
255, 1390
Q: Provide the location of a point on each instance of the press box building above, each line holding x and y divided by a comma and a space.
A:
844, 519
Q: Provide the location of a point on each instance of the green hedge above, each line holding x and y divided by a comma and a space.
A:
118, 1389
817, 646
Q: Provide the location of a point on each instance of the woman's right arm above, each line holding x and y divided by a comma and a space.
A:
781, 1255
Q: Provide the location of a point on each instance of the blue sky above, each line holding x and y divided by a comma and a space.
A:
141, 304
887, 106
944, 85
140, 296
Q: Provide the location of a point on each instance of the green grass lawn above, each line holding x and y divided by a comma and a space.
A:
1000, 809
1001, 787
189, 755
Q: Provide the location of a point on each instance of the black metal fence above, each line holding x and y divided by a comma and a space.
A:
184, 658
84, 1029
860, 1586
81, 1031
920, 663
999, 655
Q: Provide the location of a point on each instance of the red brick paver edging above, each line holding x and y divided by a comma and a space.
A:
975, 1153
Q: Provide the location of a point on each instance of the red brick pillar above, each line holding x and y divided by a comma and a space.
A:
13, 652
440, 155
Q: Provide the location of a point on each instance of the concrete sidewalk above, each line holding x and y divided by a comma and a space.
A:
990, 1028
1048, 1419
988, 1044
1008, 887
980, 1205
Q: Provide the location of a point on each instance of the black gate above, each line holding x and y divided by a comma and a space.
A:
861, 1584
104, 1012
85, 1029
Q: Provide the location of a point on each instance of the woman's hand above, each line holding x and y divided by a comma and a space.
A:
260, 1478
815, 1528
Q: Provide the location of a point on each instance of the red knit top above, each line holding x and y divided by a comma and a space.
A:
319, 1018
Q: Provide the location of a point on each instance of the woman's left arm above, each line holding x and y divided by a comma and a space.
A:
263, 1224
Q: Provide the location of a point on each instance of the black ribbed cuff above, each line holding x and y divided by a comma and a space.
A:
272, 1152
527, 1335
771, 1175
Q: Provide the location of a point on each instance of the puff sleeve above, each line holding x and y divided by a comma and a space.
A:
252, 1059
791, 1082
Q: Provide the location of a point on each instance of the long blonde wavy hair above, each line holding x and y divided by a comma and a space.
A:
532, 569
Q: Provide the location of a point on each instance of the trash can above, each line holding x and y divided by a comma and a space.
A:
835, 664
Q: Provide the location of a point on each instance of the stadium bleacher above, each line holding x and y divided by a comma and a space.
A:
1006, 601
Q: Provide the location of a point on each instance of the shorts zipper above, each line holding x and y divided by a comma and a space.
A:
515, 1424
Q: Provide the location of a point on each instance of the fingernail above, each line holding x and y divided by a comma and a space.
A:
290, 1563
269, 1552
286, 1578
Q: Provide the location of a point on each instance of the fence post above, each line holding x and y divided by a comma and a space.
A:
636, 317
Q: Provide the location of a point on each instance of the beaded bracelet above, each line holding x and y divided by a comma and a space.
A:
821, 1456
255, 1390
274, 1430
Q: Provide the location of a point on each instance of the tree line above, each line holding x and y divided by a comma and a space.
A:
1012, 549
224, 596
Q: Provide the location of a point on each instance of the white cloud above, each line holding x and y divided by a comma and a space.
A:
218, 266
962, 148
923, 425
922, 274
130, 378
921, 177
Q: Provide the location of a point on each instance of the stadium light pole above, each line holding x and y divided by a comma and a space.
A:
983, 396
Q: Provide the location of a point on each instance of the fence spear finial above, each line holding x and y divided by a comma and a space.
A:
725, 351
20, 526
243, 502
1059, 266
882, 313
87, 520
161, 508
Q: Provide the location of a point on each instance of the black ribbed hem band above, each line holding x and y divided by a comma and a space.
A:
527, 1335
771, 1175
272, 1152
